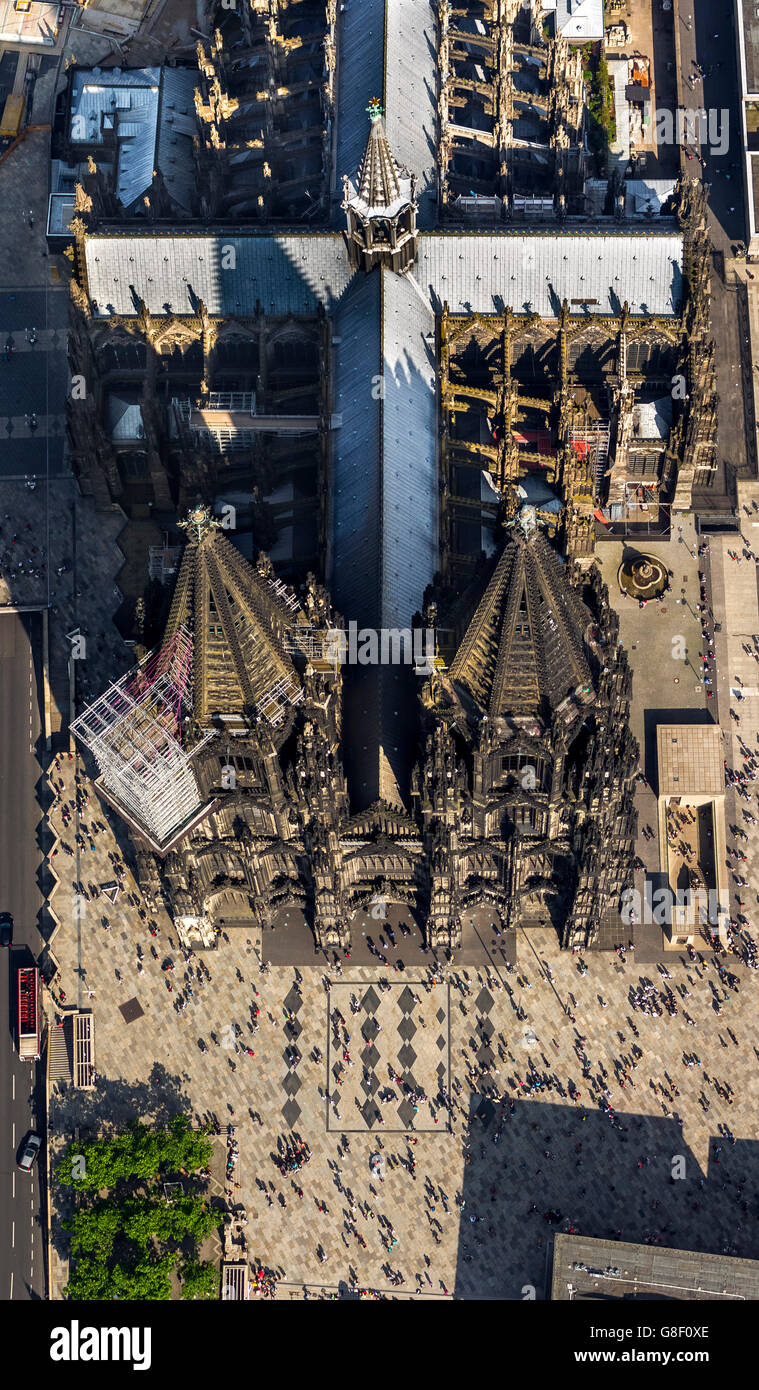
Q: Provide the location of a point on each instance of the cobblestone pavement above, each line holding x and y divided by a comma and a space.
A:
372, 1076
38, 523
24, 182
568, 1159
83, 598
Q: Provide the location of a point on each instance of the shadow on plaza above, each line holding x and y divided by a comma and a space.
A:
114, 1104
289, 940
592, 1184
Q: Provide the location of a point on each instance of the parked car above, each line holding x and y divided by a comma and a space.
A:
31, 1149
6, 929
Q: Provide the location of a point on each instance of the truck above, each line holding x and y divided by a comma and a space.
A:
28, 1013
13, 111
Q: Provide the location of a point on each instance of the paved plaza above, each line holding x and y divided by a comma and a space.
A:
509, 1095
412, 1055
523, 1164
562, 1157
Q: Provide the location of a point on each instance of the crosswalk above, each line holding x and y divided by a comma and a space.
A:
20, 427
45, 339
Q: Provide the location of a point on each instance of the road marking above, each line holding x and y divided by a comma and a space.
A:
13, 1090
11, 1283
13, 1235
13, 1134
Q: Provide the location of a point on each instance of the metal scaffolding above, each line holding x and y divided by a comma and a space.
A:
592, 442
134, 731
273, 704
283, 593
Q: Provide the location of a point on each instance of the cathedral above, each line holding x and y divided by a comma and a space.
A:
425, 377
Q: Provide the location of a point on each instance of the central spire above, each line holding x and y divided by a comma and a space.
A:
378, 173
380, 204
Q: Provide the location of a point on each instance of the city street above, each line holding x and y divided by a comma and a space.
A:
33, 382
22, 1266
707, 40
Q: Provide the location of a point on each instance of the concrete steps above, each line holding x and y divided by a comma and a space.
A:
60, 1055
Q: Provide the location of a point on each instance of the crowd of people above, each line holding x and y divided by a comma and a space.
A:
485, 1067
293, 1155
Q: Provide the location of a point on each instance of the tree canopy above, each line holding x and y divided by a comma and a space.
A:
139, 1152
125, 1237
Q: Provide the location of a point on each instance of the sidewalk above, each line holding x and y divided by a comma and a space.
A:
40, 521
735, 593
750, 358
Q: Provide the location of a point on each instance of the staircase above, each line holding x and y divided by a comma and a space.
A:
60, 1050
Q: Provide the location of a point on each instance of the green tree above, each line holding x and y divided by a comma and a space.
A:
599, 102
147, 1279
125, 1237
189, 1216
89, 1280
143, 1220
93, 1229
139, 1152
199, 1280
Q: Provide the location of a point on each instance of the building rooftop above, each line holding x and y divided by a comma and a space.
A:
124, 417
38, 25
235, 621
388, 51
360, 75
653, 419
410, 92
475, 272
690, 760
61, 211
481, 272
750, 45
380, 187
647, 197
580, 20
586, 1268
523, 652
385, 499
286, 273
150, 114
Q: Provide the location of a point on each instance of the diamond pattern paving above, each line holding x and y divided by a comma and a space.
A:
395, 1018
